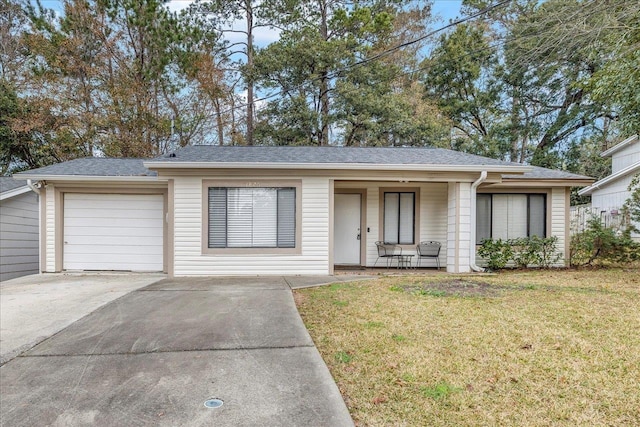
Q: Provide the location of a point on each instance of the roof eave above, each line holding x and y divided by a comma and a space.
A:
558, 182
14, 192
94, 178
611, 178
328, 166
619, 146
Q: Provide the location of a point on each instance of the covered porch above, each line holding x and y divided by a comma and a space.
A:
403, 212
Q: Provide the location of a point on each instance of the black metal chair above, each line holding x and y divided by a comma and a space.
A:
388, 251
429, 250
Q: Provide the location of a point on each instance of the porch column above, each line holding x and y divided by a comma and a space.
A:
459, 227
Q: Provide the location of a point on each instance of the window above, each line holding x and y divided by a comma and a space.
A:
510, 216
399, 217
252, 217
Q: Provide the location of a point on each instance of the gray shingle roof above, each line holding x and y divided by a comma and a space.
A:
544, 173
7, 183
327, 155
109, 167
96, 166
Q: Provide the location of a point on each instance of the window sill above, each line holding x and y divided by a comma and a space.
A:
250, 251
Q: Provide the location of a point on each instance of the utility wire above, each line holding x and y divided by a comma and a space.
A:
386, 52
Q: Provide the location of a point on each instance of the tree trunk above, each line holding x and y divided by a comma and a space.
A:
250, 70
324, 83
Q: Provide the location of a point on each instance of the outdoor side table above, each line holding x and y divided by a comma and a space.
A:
404, 261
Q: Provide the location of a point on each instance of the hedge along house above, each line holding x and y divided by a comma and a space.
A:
209, 210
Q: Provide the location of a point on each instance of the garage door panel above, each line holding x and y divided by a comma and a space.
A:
113, 232
105, 201
116, 259
70, 232
111, 240
109, 266
115, 250
113, 222
114, 213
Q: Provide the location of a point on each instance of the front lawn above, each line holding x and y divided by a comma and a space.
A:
520, 348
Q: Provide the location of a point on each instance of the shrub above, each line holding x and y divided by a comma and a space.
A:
524, 252
602, 245
497, 253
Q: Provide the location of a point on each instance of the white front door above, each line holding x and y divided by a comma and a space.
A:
346, 229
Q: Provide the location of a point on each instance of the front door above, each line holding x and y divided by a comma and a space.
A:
346, 220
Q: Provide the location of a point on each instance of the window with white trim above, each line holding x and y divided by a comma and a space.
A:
262, 217
510, 216
399, 217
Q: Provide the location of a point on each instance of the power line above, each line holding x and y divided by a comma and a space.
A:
386, 52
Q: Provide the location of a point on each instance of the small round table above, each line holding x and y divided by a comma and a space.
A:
404, 261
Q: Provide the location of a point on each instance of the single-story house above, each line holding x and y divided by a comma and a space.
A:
231, 210
609, 194
19, 228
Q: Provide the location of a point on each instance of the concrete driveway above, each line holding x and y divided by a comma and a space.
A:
32, 308
155, 355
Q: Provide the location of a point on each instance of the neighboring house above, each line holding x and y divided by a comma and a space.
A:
609, 194
19, 227
209, 210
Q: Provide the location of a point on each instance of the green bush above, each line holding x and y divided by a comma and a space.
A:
600, 245
497, 253
524, 252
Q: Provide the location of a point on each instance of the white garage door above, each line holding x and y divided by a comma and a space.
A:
113, 232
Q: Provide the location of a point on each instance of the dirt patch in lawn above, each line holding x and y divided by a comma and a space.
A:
454, 287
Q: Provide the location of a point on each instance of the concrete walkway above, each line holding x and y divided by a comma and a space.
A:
155, 355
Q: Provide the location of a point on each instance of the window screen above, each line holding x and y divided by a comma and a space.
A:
252, 217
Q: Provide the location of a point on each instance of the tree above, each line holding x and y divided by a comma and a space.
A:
458, 78
632, 204
321, 64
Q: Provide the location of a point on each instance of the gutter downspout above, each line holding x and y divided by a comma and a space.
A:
472, 246
33, 186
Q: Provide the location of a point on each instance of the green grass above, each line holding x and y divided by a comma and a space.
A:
532, 348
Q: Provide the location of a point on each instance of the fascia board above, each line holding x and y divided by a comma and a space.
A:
92, 178
619, 146
350, 166
518, 182
15, 192
609, 179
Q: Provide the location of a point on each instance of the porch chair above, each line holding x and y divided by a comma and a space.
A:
429, 250
388, 251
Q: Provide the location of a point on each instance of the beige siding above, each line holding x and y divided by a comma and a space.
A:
50, 222
458, 227
189, 260
19, 236
558, 218
433, 216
